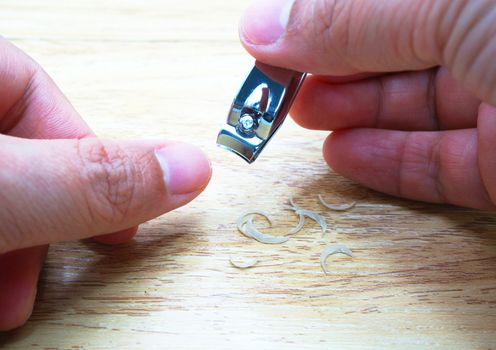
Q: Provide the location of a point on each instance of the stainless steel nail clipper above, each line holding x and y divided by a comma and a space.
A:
259, 109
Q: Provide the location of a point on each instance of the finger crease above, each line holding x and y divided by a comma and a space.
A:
431, 97
15, 113
401, 165
380, 102
434, 170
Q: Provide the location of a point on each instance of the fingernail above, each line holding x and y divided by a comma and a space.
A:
185, 167
265, 21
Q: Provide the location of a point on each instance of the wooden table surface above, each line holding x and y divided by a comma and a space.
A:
424, 276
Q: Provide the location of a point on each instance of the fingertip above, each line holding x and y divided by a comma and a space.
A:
117, 238
263, 29
16, 316
111, 186
327, 147
16, 307
337, 145
19, 272
186, 168
281, 33
264, 22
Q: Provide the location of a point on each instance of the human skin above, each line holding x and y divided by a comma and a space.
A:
59, 182
408, 88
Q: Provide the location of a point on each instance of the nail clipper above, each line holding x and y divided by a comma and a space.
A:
259, 110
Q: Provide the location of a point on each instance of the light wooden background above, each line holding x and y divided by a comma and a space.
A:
424, 276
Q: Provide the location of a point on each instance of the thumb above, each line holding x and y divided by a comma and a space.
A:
58, 190
346, 37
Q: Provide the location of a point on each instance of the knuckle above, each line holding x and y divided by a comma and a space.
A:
420, 173
459, 166
435, 171
418, 35
329, 23
332, 24
453, 29
14, 230
469, 45
110, 180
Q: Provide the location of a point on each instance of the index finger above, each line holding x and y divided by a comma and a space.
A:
31, 105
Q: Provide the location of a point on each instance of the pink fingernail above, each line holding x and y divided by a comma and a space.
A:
185, 167
265, 21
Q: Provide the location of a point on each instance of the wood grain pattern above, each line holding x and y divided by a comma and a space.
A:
424, 276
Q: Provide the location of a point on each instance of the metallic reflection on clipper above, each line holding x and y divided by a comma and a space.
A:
259, 110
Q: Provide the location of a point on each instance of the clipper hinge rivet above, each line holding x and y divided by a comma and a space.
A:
247, 124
